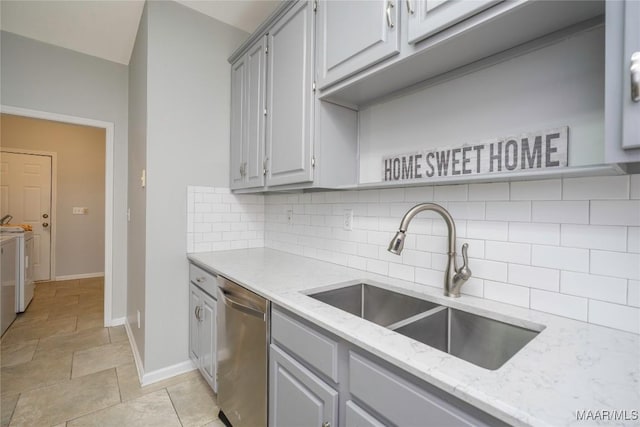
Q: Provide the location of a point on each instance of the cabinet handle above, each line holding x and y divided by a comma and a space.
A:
196, 312
200, 279
635, 77
410, 8
389, 7
326, 424
264, 166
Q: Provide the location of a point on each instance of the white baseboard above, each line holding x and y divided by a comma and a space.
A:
117, 321
79, 276
159, 374
134, 349
168, 372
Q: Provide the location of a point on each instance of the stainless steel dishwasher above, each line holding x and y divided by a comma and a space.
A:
243, 339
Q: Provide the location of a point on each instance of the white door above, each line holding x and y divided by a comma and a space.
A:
25, 193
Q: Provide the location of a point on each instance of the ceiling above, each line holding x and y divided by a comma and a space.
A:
107, 28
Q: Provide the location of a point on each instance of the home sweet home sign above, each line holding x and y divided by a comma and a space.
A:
529, 151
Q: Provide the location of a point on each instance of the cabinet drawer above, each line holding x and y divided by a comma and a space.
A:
309, 345
398, 400
204, 280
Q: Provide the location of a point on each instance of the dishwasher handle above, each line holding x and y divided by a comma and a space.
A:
229, 301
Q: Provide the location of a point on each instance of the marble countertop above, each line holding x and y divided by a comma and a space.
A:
570, 366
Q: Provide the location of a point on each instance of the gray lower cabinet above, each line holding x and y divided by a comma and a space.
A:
353, 35
202, 324
622, 108
316, 378
298, 398
290, 97
427, 17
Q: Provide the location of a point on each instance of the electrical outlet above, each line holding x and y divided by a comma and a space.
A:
80, 211
143, 178
348, 220
290, 217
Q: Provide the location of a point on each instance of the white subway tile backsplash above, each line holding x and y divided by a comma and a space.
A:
634, 191
379, 267
615, 212
560, 304
554, 245
504, 292
594, 287
534, 277
508, 211
490, 230
550, 189
490, 191
570, 259
594, 237
450, 193
616, 264
544, 234
429, 277
466, 210
633, 293
563, 212
490, 270
633, 239
596, 188
418, 194
403, 272
615, 316
519, 253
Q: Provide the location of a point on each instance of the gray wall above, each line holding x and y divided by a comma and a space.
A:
80, 178
187, 143
43, 77
137, 194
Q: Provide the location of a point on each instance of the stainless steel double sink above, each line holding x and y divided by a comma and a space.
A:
480, 340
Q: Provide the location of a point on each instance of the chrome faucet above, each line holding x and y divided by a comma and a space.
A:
454, 278
5, 219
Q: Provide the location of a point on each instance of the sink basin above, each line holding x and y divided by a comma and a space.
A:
482, 341
375, 304
485, 342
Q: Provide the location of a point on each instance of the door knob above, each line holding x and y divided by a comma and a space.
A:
45, 224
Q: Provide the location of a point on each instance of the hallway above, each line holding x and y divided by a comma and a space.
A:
60, 367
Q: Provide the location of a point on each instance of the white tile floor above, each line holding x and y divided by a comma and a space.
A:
60, 367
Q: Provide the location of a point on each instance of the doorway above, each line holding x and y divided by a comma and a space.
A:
108, 175
26, 195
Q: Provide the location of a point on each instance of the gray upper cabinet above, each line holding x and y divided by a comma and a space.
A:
427, 17
248, 80
238, 118
353, 35
290, 97
622, 100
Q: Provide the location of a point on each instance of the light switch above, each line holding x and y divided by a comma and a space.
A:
80, 211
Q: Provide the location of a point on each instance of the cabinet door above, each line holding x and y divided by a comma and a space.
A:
353, 35
631, 108
290, 95
194, 323
255, 121
427, 17
358, 417
298, 398
238, 117
208, 340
